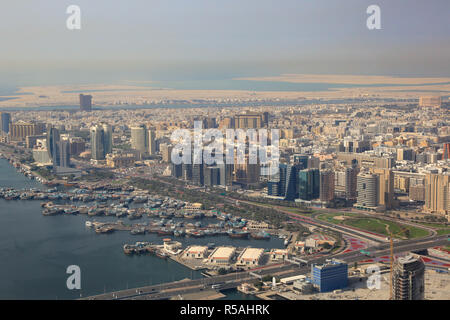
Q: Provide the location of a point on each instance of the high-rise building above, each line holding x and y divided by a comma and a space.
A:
107, 129
40, 153
198, 174
186, 171
53, 138
177, 170
166, 152
385, 187
367, 190
77, 145
226, 173
249, 120
284, 182
330, 276
280, 177
446, 154
289, 185
63, 148
308, 184
58, 149
139, 138
212, 176
301, 159
101, 141
326, 185
246, 173
5, 120
408, 279
345, 183
437, 193
151, 142
430, 101
20, 130
85, 102
207, 122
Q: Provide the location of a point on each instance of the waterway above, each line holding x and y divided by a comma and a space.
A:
36, 250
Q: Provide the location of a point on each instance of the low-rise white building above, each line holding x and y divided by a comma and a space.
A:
222, 255
195, 252
250, 257
278, 254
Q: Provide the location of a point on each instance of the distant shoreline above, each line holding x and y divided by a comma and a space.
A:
240, 91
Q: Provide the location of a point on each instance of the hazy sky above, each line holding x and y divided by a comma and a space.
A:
212, 39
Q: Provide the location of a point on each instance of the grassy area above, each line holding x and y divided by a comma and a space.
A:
443, 231
432, 225
296, 210
330, 217
379, 226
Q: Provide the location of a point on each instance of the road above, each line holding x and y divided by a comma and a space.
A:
167, 290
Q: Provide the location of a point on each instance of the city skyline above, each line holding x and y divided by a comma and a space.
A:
225, 150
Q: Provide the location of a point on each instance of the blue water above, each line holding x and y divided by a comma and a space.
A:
36, 250
252, 85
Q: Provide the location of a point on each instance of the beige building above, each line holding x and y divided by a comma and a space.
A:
222, 255
385, 187
430, 101
195, 252
120, 160
250, 257
366, 160
20, 130
437, 194
278, 254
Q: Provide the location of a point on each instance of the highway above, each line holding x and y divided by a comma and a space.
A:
167, 290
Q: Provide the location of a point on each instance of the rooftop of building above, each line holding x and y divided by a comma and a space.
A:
251, 254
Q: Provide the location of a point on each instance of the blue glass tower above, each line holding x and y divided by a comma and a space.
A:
330, 276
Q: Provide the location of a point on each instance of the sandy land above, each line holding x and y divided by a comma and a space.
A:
347, 79
110, 95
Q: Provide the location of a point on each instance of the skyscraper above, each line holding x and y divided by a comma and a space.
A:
408, 281
5, 120
211, 176
249, 120
446, 154
330, 276
226, 173
151, 142
437, 193
139, 138
290, 184
301, 159
308, 184
385, 187
166, 152
107, 129
246, 173
101, 141
326, 185
58, 149
85, 102
198, 174
20, 130
367, 190
63, 147
53, 138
